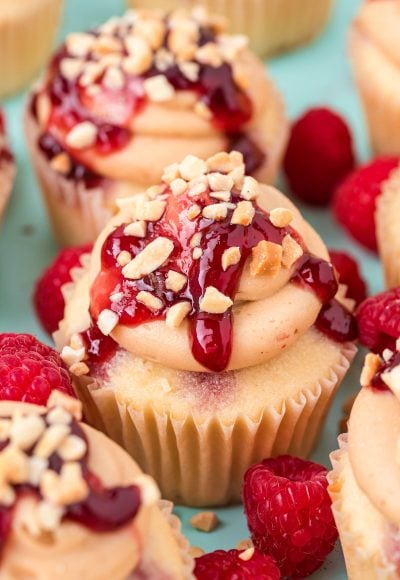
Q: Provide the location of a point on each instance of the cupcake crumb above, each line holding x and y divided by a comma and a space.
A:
204, 521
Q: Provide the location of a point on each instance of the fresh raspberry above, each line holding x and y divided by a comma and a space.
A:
30, 370
349, 274
222, 565
288, 512
354, 200
48, 300
319, 155
378, 319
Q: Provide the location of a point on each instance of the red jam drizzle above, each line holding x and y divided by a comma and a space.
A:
387, 366
231, 107
99, 348
210, 334
104, 509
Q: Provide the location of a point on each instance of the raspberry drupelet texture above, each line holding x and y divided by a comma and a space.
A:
30, 370
319, 155
354, 201
378, 319
229, 565
47, 298
349, 274
288, 512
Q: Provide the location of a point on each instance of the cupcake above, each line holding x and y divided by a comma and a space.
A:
119, 103
387, 234
206, 330
272, 25
75, 505
7, 168
365, 481
27, 32
375, 55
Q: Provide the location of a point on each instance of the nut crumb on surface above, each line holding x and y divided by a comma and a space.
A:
204, 521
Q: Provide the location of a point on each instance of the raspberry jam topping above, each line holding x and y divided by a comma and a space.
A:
102, 77
196, 252
386, 366
98, 508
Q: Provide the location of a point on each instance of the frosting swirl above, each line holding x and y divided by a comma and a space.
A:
221, 271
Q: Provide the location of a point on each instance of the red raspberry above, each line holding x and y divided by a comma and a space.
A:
349, 274
354, 200
288, 512
319, 155
30, 370
221, 565
48, 300
378, 319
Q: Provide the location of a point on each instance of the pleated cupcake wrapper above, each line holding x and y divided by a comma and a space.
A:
93, 207
381, 104
166, 508
387, 228
203, 463
26, 36
360, 564
272, 25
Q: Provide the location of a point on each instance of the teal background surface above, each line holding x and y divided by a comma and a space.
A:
317, 74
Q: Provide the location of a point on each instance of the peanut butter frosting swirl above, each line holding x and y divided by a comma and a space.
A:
115, 92
207, 271
374, 433
68, 495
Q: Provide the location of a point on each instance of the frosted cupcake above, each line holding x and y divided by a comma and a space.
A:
272, 25
121, 102
75, 505
375, 54
365, 481
206, 333
27, 32
7, 168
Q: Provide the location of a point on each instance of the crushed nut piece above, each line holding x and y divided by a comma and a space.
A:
149, 259
192, 167
150, 211
116, 297
209, 54
163, 59
190, 70
372, 364
193, 211
250, 189
140, 56
197, 253
266, 259
221, 195
137, 229
204, 521
197, 186
292, 251
72, 449
107, 321
175, 281
220, 182
247, 554
124, 258
82, 136
14, 466
37, 466
225, 162
237, 175
59, 415
196, 552
64, 489
178, 186
25, 431
149, 300
171, 172
49, 516
7, 495
114, 78
195, 240
79, 44
61, 163
387, 354
177, 313
230, 257
79, 369
51, 440
243, 214
216, 211
202, 111
71, 356
280, 217
70, 404
158, 89
214, 302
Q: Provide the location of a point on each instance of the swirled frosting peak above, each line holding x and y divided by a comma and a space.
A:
208, 270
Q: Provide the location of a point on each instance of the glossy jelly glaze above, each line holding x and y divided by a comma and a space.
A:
103, 510
230, 107
210, 334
